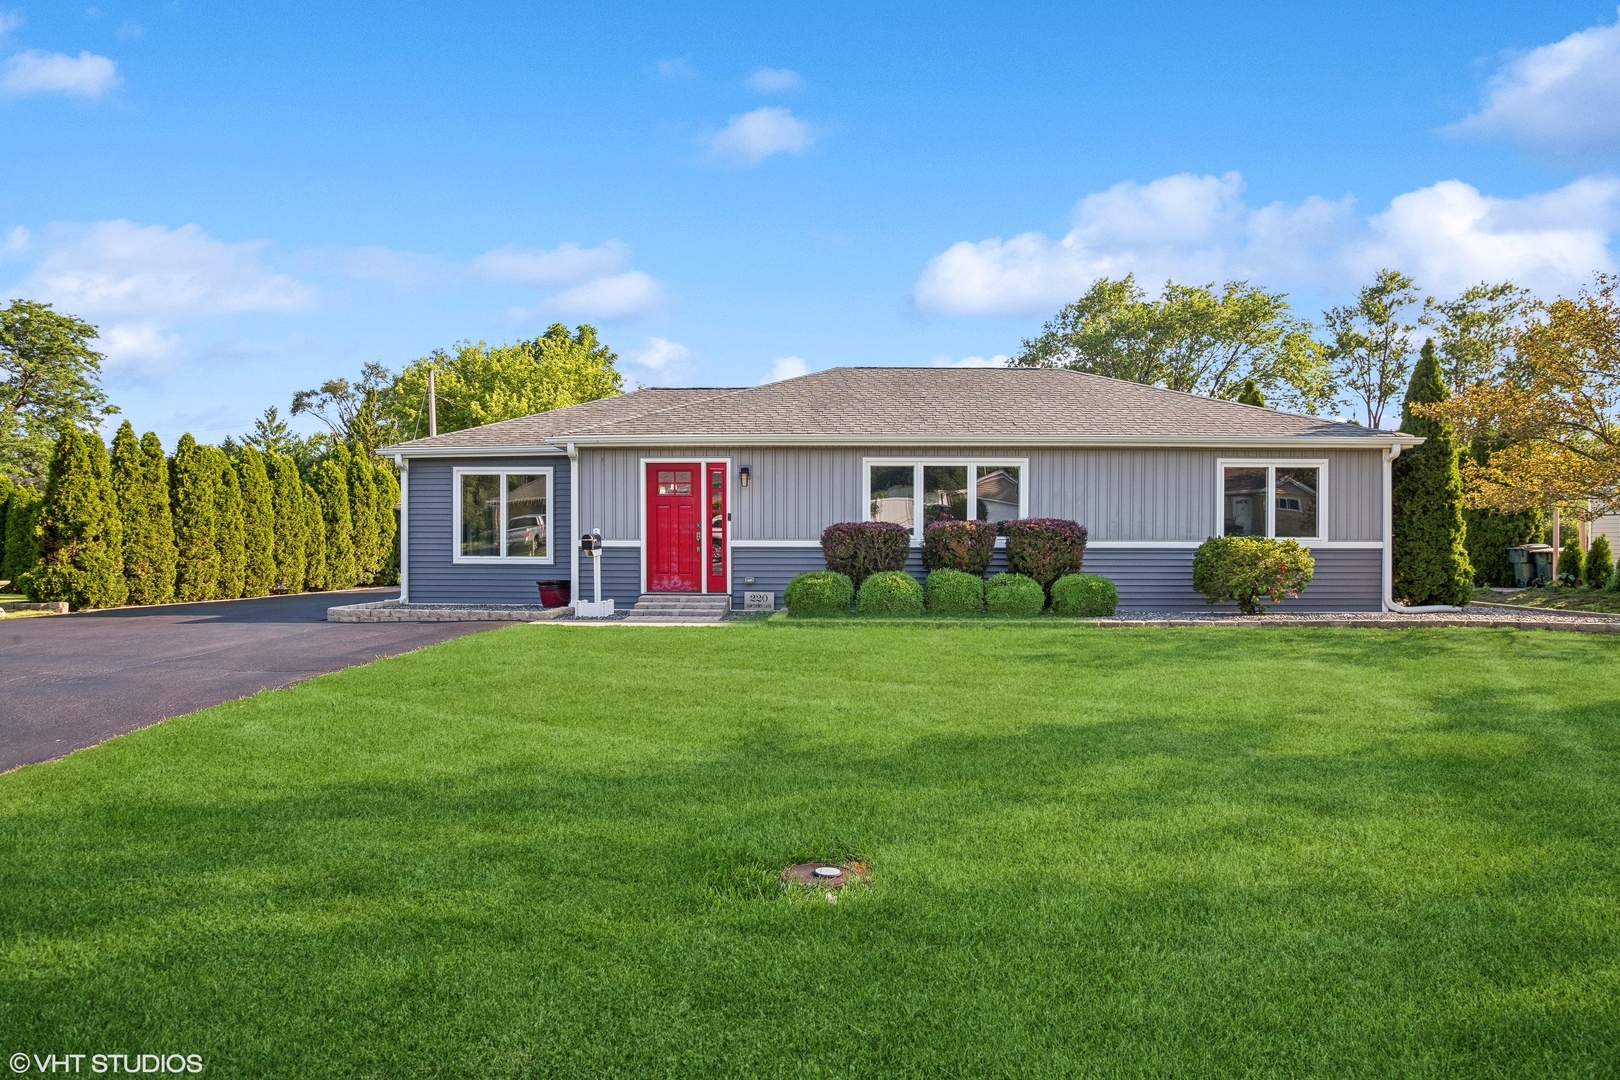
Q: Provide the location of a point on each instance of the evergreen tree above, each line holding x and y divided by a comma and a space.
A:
22, 540
80, 535
258, 523
1599, 564
287, 505
192, 484
368, 551
6, 488
329, 480
229, 528
315, 568
1431, 556
1571, 561
385, 512
140, 478
1250, 394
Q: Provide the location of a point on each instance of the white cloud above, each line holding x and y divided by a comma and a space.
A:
943, 360
1561, 99
620, 296
17, 242
658, 353
140, 345
1200, 229
787, 367
118, 268
35, 72
768, 80
9, 21
404, 270
563, 264
752, 137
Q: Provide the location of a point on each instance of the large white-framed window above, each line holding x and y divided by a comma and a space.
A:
502, 516
1285, 499
916, 492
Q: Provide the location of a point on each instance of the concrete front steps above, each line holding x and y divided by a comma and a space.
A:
679, 608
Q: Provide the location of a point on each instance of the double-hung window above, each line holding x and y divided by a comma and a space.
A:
1282, 499
503, 516
918, 493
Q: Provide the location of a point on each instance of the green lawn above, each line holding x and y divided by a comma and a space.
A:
1557, 597
553, 851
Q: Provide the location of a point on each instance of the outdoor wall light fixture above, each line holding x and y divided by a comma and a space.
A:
742, 475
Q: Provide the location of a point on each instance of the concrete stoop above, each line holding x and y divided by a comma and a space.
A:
679, 607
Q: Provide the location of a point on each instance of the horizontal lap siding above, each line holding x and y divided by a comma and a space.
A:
435, 579
1119, 495
1160, 579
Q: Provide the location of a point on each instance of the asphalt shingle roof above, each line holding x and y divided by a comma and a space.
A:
996, 404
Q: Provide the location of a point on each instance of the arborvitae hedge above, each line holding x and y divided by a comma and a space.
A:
332, 485
80, 535
140, 478
385, 512
229, 540
369, 551
22, 545
6, 488
315, 568
192, 484
258, 523
287, 506
1490, 534
1430, 557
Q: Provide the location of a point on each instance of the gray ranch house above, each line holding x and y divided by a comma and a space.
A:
726, 490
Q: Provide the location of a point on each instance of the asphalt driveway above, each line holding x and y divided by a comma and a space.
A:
68, 681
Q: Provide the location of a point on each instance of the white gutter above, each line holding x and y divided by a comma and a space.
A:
1389, 542
573, 521
1274, 442
404, 466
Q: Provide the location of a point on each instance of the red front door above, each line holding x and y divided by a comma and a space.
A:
675, 527
715, 562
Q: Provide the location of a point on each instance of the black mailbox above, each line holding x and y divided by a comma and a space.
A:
590, 544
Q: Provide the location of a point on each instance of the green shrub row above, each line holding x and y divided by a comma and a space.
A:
948, 592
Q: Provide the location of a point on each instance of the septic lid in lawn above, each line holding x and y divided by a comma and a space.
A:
823, 875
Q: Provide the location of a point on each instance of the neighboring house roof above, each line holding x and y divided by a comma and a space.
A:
907, 404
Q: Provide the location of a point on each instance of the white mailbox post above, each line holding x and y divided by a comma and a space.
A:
590, 545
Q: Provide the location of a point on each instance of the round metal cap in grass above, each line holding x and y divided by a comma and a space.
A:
823, 875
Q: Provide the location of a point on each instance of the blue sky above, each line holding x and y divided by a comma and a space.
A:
248, 202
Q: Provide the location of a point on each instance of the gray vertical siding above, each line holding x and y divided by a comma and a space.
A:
435, 579
1119, 495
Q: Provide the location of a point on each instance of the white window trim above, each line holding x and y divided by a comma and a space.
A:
1271, 465
503, 559
918, 463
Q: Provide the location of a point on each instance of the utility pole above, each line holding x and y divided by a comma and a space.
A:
433, 407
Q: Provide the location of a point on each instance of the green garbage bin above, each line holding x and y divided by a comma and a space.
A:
1532, 564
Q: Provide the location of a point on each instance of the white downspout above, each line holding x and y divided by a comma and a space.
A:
404, 465
573, 522
1389, 543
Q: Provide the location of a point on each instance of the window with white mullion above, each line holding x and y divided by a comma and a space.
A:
502, 516
917, 494
1281, 499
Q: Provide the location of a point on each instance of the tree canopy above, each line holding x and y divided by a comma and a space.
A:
50, 381
480, 384
1371, 350
1194, 338
1552, 417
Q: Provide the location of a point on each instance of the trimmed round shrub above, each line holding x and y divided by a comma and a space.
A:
1243, 569
859, 549
1044, 548
1015, 596
890, 592
960, 545
819, 592
952, 592
1084, 595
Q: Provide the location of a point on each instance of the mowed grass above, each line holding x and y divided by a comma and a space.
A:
554, 851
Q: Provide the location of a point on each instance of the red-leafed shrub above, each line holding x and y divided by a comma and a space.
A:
1044, 548
859, 549
959, 545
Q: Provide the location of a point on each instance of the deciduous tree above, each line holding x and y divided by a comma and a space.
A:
1193, 338
1477, 330
1370, 351
50, 380
354, 411
80, 535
